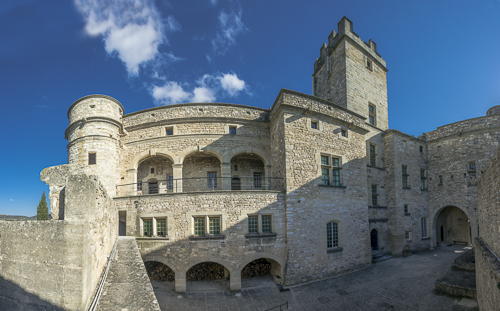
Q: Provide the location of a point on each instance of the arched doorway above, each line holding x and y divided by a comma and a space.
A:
160, 275
249, 169
202, 172
153, 174
453, 227
259, 272
207, 276
235, 183
374, 239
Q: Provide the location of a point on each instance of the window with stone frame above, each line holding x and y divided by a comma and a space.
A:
406, 209
169, 131
161, 227
440, 179
232, 130
214, 225
369, 64
373, 155
405, 176
408, 236
92, 158
372, 114
471, 168
330, 170
265, 226
204, 225
170, 182
343, 133
155, 227
257, 180
374, 195
314, 125
423, 179
332, 235
199, 226
423, 224
476, 141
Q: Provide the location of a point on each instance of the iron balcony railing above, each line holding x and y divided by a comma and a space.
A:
200, 184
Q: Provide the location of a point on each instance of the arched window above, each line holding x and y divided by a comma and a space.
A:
332, 235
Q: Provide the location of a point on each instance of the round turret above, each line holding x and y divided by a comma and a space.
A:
93, 137
495, 110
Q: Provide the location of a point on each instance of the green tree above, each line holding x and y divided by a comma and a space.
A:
42, 211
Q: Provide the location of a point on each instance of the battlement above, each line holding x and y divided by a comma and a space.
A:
345, 31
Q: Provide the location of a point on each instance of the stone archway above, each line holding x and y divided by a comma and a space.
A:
452, 226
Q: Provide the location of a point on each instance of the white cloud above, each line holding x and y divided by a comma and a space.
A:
207, 89
231, 83
230, 25
131, 29
169, 94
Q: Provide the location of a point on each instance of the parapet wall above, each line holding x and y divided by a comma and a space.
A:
459, 128
60, 261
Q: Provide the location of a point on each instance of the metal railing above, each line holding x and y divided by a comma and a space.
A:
199, 184
281, 307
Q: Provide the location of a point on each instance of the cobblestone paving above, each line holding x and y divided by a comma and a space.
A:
395, 284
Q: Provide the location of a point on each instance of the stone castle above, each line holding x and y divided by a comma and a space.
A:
315, 185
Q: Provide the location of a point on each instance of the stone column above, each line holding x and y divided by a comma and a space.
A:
177, 177
226, 174
235, 281
131, 188
180, 282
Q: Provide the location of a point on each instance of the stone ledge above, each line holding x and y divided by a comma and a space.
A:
378, 168
159, 239
376, 206
260, 235
332, 186
207, 237
334, 250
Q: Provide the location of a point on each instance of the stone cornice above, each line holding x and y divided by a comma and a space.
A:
92, 119
196, 136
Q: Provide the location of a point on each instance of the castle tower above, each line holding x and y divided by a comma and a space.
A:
350, 73
93, 137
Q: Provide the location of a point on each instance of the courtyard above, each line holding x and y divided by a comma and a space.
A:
404, 283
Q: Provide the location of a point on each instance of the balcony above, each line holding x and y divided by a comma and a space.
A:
200, 184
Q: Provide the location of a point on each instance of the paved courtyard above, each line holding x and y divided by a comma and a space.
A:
395, 284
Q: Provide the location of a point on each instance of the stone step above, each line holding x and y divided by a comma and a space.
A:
377, 255
379, 259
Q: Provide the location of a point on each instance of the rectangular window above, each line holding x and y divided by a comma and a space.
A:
372, 114
421, 149
404, 144
253, 224
405, 176
407, 209
325, 176
476, 141
374, 195
170, 182
232, 130
161, 225
373, 155
152, 170
324, 160
169, 131
148, 227
407, 236
424, 227
212, 180
235, 168
199, 226
214, 225
266, 223
153, 187
343, 133
423, 180
440, 179
139, 186
369, 64
257, 180
336, 172
92, 158
332, 235
472, 166
314, 125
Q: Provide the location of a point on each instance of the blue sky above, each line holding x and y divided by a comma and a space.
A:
442, 58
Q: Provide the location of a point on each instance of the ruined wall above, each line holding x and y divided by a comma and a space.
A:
61, 261
402, 149
310, 206
488, 242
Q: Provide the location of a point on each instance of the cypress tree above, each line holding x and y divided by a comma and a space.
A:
42, 211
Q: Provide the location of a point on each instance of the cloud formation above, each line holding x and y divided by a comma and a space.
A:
230, 26
207, 89
132, 30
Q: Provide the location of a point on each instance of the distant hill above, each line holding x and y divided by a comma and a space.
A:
16, 218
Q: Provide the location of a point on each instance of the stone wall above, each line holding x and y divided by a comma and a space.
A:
402, 149
488, 242
311, 206
180, 250
61, 261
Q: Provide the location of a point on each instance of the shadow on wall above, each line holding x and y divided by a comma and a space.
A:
13, 298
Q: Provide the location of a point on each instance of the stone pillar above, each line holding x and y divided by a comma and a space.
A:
131, 188
180, 282
226, 174
177, 177
268, 182
235, 281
